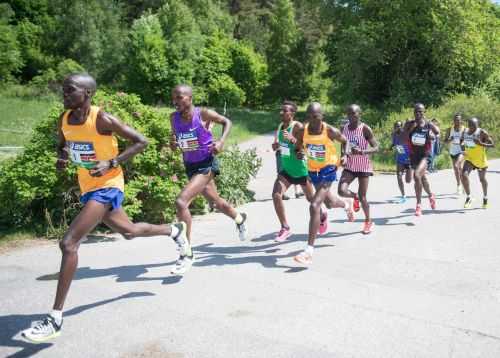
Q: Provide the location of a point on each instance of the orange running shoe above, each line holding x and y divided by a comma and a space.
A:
368, 227
432, 200
304, 258
418, 211
355, 204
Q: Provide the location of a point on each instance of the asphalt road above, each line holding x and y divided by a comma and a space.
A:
416, 287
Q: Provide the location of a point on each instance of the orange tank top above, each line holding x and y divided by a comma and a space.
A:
86, 146
320, 149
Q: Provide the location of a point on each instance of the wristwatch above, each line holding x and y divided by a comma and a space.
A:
113, 163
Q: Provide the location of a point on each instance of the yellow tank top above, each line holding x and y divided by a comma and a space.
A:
86, 146
474, 153
319, 149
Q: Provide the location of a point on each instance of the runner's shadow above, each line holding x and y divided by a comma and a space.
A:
13, 324
129, 273
210, 255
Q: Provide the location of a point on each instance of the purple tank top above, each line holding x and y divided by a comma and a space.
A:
193, 138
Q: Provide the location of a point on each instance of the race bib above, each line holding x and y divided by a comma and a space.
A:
418, 139
456, 140
400, 149
188, 141
469, 143
82, 154
316, 152
284, 150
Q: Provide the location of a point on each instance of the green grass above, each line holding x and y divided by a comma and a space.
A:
18, 117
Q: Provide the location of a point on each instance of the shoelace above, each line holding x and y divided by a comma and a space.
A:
43, 326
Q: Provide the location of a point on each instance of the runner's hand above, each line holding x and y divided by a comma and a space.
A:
101, 167
300, 154
217, 147
173, 143
275, 146
343, 160
289, 137
61, 163
356, 150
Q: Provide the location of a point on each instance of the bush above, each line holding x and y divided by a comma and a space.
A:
34, 195
51, 79
222, 91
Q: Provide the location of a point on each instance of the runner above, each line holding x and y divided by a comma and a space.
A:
357, 163
454, 138
419, 132
475, 140
190, 133
402, 159
292, 171
86, 137
317, 138
435, 148
296, 188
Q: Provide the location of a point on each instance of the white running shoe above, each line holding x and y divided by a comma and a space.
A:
242, 228
183, 265
181, 239
43, 331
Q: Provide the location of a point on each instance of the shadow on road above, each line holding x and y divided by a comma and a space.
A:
210, 255
11, 325
130, 273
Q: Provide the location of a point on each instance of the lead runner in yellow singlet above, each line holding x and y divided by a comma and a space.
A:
87, 139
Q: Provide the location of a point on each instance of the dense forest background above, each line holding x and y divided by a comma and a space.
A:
257, 52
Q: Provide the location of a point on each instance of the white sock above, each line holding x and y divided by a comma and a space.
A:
309, 249
174, 232
57, 316
238, 219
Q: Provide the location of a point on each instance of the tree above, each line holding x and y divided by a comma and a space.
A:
10, 54
401, 51
288, 56
147, 63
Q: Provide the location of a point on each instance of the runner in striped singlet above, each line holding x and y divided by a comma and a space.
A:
454, 138
419, 132
357, 163
475, 140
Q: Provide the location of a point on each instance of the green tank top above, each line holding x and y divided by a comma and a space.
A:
293, 166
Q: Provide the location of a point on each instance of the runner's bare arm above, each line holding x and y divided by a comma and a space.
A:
210, 116
299, 145
434, 129
107, 125
173, 139
368, 133
335, 135
447, 138
485, 139
292, 138
62, 150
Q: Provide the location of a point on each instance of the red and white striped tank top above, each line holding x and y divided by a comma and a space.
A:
357, 162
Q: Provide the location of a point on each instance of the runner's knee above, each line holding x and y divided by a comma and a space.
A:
314, 207
181, 203
68, 245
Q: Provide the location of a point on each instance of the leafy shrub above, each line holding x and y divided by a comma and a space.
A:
222, 91
33, 194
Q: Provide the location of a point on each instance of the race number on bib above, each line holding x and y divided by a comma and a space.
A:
400, 149
418, 139
284, 150
188, 141
456, 140
469, 143
82, 154
316, 152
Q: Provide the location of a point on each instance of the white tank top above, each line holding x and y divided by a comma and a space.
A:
455, 136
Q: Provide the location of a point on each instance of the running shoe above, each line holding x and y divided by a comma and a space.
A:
401, 200
181, 239
283, 234
242, 228
485, 203
183, 265
368, 227
432, 201
43, 330
418, 210
298, 195
304, 258
323, 223
355, 204
468, 202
